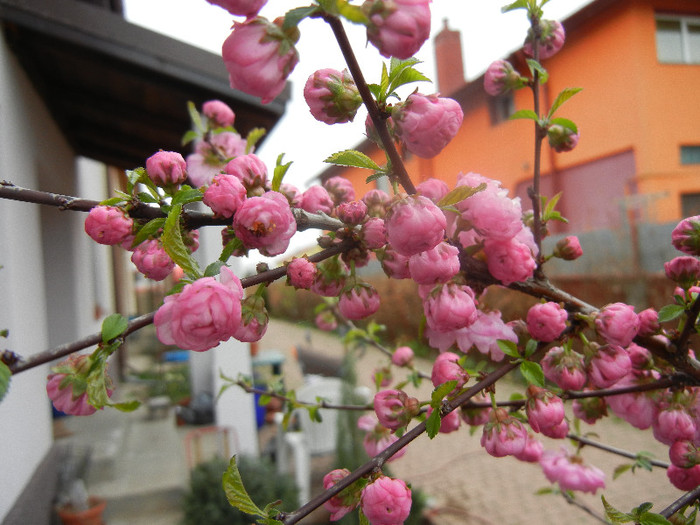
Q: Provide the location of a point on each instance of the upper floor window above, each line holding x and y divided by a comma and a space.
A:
690, 154
678, 39
501, 107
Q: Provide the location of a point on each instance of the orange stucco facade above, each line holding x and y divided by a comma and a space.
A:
633, 114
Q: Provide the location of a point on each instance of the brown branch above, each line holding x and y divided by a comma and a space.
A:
322, 404
685, 499
615, 450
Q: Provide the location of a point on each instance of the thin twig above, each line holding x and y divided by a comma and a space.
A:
615, 450
584, 508
685, 499
321, 404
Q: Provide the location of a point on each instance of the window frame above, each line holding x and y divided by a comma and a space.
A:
684, 21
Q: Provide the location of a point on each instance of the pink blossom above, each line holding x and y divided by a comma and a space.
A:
358, 302
251, 331
570, 472
684, 454
609, 364
552, 39
108, 225
427, 123
493, 214
568, 248
437, 265
66, 386
402, 356
446, 367
376, 442
484, 333
386, 501
509, 261
503, 435
590, 409
617, 323
317, 200
558, 431
684, 478
501, 77
543, 408
377, 202
151, 259
332, 96
565, 368
394, 408
394, 264
353, 212
251, 171
259, 57
203, 314
641, 357
562, 138
399, 28
342, 503
415, 224
247, 8
326, 321
546, 321
219, 113
330, 278
373, 233
224, 195
686, 236
533, 450
265, 223
301, 273
434, 189
292, 193
254, 320
210, 156
637, 408
450, 307
673, 424
648, 322
684, 270
340, 189
166, 168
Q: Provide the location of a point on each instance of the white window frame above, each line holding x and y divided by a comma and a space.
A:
685, 39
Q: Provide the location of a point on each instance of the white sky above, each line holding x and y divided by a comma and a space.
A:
486, 35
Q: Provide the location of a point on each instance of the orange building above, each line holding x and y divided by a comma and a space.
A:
638, 62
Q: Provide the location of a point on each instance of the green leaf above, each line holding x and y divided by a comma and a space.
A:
615, 515
147, 198
352, 13
236, 493
441, 392
114, 201
620, 470
562, 97
509, 348
127, 406
363, 518
432, 424
459, 194
376, 175
213, 269
280, 172
294, 16
186, 195
530, 347
113, 326
352, 158
5, 376
524, 113
402, 72
518, 4
535, 66
150, 229
670, 312
532, 372
175, 247
650, 518
189, 137
254, 135
195, 117
566, 123
641, 509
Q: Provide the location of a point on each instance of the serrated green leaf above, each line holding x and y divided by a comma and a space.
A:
526, 114
114, 201
294, 16
235, 491
5, 377
535, 66
432, 424
402, 72
213, 269
562, 97
150, 229
459, 194
532, 372
113, 326
440, 392
508, 347
175, 247
352, 158
186, 195
670, 312
644, 507
650, 518
280, 172
147, 198
615, 515
254, 135
518, 4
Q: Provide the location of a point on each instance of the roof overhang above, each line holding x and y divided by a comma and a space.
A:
118, 91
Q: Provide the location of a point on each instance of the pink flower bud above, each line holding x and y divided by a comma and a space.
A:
447, 368
450, 307
509, 261
427, 123
326, 321
638, 408
617, 323
568, 248
377, 202
247, 8
590, 409
254, 320
340, 189
546, 321
108, 225
394, 408
317, 200
166, 168
559, 431
684, 454
437, 265
503, 435
386, 501
360, 301
552, 40
203, 314
259, 57
399, 28
67, 386
402, 356
476, 416
684, 478
210, 156
376, 442
544, 409
609, 364
648, 322
640, 357
332, 96
345, 501
265, 223
251, 171
352, 212
415, 224
533, 450
373, 233
686, 236
434, 189
301, 273
565, 368
673, 424
330, 278
684, 270
561, 138
219, 114
292, 193
151, 259
394, 264
224, 195
449, 422
570, 472
501, 77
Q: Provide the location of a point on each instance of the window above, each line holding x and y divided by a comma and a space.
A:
501, 108
678, 39
690, 154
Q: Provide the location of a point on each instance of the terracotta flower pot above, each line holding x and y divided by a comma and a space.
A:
91, 516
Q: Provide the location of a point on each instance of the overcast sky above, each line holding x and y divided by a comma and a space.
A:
486, 35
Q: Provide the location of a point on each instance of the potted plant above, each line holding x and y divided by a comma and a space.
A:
75, 506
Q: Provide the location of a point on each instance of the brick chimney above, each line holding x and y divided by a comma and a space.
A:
448, 57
